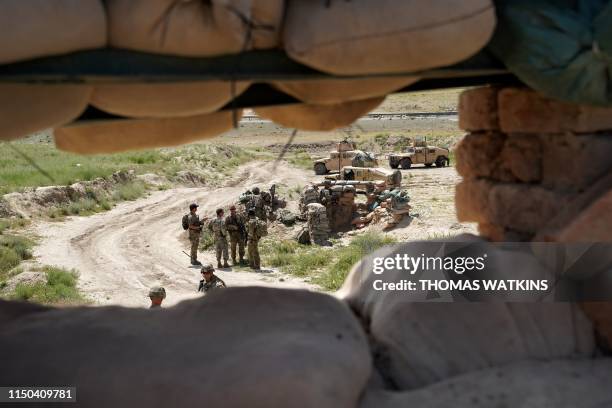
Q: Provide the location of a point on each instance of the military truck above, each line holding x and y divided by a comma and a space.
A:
391, 178
345, 155
420, 154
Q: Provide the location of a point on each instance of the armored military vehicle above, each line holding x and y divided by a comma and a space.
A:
420, 153
391, 178
345, 155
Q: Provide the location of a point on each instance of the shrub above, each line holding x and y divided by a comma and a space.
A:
61, 287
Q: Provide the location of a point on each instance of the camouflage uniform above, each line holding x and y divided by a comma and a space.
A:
214, 283
195, 228
217, 226
254, 231
156, 292
237, 231
259, 205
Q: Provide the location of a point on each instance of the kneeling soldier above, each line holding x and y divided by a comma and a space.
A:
157, 296
210, 281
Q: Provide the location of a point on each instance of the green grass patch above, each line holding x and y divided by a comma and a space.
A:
301, 159
13, 250
61, 287
327, 267
12, 223
129, 191
207, 240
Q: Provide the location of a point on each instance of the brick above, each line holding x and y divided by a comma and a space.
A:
522, 207
494, 156
572, 163
594, 224
471, 200
521, 110
478, 109
497, 233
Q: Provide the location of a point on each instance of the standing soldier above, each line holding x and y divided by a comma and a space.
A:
195, 228
256, 230
258, 204
210, 281
217, 226
237, 232
157, 296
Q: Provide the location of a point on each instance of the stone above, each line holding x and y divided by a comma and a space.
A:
522, 110
258, 347
521, 157
25, 278
472, 200
477, 154
478, 109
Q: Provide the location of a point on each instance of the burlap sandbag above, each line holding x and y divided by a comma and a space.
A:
423, 337
342, 90
372, 36
165, 100
132, 134
25, 108
318, 117
239, 347
533, 384
194, 28
38, 28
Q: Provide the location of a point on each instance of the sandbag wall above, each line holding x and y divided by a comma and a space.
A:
534, 168
335, 37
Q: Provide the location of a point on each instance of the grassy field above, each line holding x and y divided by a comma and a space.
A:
443, 100
60, 288
64, 168
327, 267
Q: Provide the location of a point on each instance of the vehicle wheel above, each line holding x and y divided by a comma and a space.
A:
393, 164
441, 161
406, 163
428, 164
320, 169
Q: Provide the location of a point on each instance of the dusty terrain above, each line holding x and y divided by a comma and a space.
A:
121, 253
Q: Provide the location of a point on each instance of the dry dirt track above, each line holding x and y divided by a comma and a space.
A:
136, 245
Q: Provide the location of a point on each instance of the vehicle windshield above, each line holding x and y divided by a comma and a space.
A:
410, 150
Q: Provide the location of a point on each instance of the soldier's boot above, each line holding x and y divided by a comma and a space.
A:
196, 262
219, 264
225, 264
243, 261
234, 261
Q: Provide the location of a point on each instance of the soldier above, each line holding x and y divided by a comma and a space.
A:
237, 232
210, 281
217, 227
157, 296
195, 228
258, 203
256, 230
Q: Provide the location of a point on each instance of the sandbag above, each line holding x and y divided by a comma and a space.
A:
561, 49
425, 337
239, 347
131, 134
342, 90
376, 36
26, 108
39, 28
533, 384
194, 28
318, 117
165, 100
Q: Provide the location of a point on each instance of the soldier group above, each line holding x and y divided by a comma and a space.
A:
232, 233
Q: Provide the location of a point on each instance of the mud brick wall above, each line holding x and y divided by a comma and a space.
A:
534, 168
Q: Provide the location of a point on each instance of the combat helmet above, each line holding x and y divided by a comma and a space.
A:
207, 267
157, 291
255, 190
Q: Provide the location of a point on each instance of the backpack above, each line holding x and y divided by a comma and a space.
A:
185, 222
262, 229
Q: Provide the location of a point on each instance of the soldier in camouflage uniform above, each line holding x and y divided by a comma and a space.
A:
210, 281
258, 203
195, 228
217, 227
235, 225
157, 296
256, 229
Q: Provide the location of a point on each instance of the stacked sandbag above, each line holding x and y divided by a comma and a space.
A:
313, 117
194, 28
310, 194
532, 165
318, 224
132, 134
341, 207
41, 28
165, 100
27, 108
374, 36
562, 49
258, 347
423, 336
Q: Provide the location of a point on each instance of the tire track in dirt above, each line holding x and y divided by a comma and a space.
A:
121, 253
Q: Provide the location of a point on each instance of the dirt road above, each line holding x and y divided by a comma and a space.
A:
121, 253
